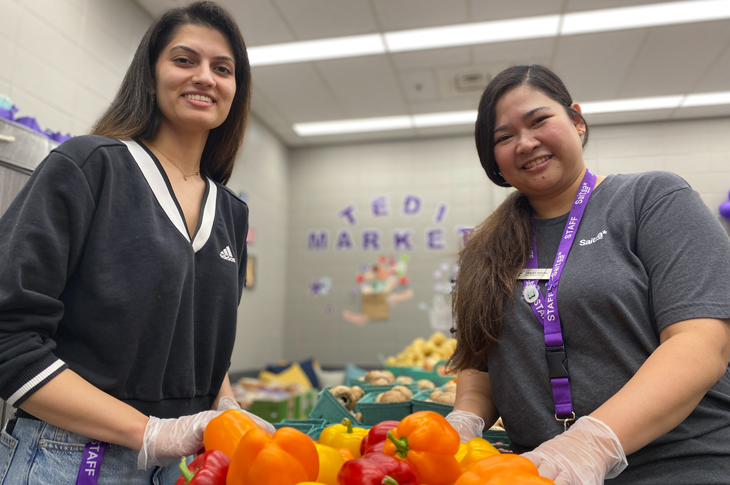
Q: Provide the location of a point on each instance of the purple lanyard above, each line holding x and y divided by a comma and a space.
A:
91, 463
546, 309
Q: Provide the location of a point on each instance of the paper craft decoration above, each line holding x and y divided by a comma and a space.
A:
380, 286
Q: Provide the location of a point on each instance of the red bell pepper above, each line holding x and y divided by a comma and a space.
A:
376, 469
377, 434
209, 468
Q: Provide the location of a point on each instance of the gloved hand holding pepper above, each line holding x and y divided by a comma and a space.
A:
166, 440
468, 425
586, 454
226, 402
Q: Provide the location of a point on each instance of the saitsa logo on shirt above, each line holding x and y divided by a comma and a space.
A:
228, 255
586, 242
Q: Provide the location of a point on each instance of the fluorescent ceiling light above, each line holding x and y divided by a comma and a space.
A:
445, 119
470, 34
651, 15
339, 127
316, 50
706, 99
644, 16
635, 104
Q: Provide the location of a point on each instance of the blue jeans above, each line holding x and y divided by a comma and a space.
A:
36, 452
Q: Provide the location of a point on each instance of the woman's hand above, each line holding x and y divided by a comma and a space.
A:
468, 425
166, 440
586, 454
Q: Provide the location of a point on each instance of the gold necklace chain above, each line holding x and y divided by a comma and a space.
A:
185, 177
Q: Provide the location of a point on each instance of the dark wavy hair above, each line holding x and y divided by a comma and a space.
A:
500, 246
134, 112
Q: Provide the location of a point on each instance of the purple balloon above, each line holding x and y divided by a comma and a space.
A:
725, 209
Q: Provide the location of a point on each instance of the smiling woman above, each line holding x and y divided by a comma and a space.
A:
617, 345
124, 260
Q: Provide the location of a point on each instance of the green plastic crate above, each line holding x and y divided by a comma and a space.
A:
498, 438
419, 403
305, 428
274, 411
329, 408
304, 403
375, 412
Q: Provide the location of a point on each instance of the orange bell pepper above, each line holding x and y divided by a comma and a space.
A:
225, 431
428, 443
346, 454
344, 436
502, 469
287, 457
473, 451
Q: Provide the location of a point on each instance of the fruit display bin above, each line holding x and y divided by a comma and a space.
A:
329, 408
375, 412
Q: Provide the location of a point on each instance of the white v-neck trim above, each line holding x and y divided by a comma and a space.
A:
208, 217
157, 183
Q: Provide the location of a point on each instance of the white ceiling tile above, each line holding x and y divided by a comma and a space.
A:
298, 92
465, 103
485, 10
157, 7
673, 58
717, 78
583, 5
628, 117
259, 21
317, 19
519, 52
419, 85
702, 112
414, 14
364, 87
446, 131
432, 58
593, 66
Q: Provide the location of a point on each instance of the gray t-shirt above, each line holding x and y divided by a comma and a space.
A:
648, 253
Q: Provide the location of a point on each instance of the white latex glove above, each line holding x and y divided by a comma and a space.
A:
227, 402
166, 440
468, 425
586, 454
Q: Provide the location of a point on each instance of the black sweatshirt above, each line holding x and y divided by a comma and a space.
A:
98, 274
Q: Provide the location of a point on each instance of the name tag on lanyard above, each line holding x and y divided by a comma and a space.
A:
535, 274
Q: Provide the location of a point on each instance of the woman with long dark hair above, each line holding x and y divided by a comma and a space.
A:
592, 311
123, 261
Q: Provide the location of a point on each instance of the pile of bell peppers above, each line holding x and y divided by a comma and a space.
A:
422, 448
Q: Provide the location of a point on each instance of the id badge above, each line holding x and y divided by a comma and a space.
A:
535, 274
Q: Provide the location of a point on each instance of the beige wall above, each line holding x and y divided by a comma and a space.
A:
324, 180
61, 61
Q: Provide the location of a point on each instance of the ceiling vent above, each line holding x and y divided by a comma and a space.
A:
470, 82
463, 82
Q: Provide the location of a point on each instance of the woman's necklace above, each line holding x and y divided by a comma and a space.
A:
185, 177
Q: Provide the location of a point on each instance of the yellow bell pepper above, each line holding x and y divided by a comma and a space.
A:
473, 451
330, 462
344, 436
